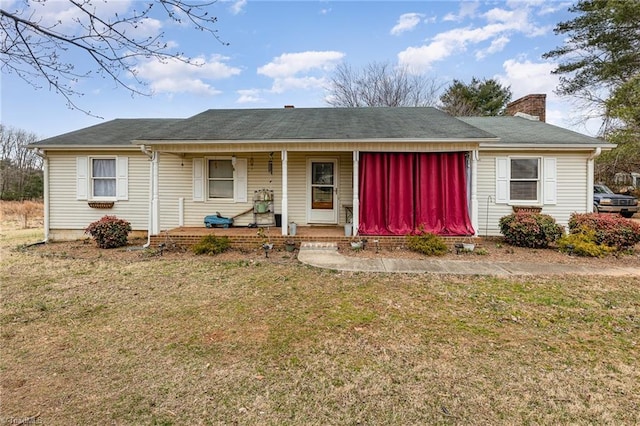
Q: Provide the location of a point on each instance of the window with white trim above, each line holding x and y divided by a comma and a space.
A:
220, 178
526, 180
103, 178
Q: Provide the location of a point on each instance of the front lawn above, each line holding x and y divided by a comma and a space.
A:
135, 339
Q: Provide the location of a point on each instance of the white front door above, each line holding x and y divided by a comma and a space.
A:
322, 190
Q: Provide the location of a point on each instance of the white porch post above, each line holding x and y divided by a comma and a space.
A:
155, 204
355, 215
45, 173
474, 190
285, 196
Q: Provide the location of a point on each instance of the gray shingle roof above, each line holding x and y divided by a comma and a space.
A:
319, 123
114, 132
519, 130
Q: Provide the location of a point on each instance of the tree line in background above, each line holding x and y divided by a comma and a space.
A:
20, 168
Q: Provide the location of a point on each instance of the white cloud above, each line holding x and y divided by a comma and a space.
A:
303, 70
289, 64
497, 45
526, 77
174, 76
237, 6
467, 10
501, 23
407, 22
249, 96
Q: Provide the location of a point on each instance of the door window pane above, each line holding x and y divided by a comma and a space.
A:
322, 197
322, 173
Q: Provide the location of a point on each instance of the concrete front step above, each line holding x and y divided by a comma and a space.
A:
323, 246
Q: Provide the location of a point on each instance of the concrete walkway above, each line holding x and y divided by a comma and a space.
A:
326, 255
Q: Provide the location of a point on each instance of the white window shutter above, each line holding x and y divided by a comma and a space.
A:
502, 180
550, 181
82, 178
240, 180
198, 179
122, 177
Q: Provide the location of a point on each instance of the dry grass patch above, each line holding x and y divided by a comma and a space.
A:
133, 339
21, 214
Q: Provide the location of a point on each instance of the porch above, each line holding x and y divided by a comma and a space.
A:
245, 238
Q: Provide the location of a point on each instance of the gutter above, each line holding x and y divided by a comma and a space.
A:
596, 153
591, 177
45, 174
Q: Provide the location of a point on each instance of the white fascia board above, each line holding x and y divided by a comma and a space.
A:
85, 147
546, 147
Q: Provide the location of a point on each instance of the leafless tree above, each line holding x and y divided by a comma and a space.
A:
45, 47
380, 84
20, 167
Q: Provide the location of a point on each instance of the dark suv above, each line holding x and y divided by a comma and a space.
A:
606, 201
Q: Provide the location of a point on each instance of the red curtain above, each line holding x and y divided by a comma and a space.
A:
402, 193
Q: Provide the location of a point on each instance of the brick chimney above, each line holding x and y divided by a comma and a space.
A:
535, 105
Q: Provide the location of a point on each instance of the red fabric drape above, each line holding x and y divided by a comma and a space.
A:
402, 193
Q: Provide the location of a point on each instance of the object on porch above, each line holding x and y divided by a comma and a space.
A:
292, 228
263, 208
212, 221
348, 229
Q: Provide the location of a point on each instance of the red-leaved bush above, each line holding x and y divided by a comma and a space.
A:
109, 232
533, 230
611, 230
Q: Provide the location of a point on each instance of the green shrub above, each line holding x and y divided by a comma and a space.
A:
211, 245
109, 232
427, 243
583, 244
610, 230
533, 230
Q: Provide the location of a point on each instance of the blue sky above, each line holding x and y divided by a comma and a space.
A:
283, 52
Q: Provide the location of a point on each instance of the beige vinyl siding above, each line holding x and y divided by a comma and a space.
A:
176, 182
298, 180
572, 189
67, 213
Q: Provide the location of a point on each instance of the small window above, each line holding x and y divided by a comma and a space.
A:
220, 179
103, 177
524, 179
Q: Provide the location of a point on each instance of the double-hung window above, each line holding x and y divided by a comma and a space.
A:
220, 178
103, 178
526, 180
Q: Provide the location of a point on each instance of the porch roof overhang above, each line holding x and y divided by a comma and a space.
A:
385, 145
83, 148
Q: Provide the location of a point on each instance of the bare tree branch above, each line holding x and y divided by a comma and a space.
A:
380, 84
37, 49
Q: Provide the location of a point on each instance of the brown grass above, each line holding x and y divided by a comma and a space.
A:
21, 214
139, 339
